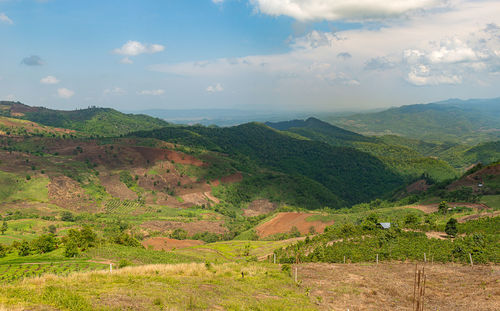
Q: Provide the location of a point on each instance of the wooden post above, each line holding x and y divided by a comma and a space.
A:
110, 267
274, 258
295, 274
470, 258
425, 257
344, 259
377, 259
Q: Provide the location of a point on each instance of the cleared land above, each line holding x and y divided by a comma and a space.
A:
284, 222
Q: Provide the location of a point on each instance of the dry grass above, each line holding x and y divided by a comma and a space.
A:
390, 286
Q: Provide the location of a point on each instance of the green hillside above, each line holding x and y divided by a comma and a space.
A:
453, 120
402, 155
93, 120
351, 175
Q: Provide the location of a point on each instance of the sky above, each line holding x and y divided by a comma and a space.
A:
267, 55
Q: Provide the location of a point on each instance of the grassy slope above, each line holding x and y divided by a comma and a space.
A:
156, 287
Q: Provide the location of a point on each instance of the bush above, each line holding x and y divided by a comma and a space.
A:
71, 249
67, 216
44, 244
24, 249
451, 227
124, 263
3, 251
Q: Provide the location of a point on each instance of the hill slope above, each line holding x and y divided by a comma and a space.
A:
452, 120
352, 175
94, 121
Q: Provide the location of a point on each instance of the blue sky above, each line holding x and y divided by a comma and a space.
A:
247, 54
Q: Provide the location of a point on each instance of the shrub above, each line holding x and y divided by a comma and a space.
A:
71, 249
124, 263
451, 227
67, 216
44, 244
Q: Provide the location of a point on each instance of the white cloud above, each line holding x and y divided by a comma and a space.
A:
218, 1
134, 48
114, 91
152, 92
49, 80
5, 19
215, 88
307, 10
65, 93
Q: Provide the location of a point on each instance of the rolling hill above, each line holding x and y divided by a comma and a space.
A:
453, 120
93, 120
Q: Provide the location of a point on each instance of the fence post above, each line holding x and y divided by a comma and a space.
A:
425, 257
110, 267
344, 259
377, 259
470, 258
295, 274
274, 258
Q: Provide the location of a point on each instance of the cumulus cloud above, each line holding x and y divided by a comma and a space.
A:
215, 88
134, 48
65, 93
379, 63
309, 10
49, 80
5, 19
126, 60
151, 92
33, 60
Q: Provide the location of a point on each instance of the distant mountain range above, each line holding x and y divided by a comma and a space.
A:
454, 120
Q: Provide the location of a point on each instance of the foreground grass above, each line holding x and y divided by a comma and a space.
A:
191, 286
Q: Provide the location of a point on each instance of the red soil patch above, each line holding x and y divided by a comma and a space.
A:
259, 207
191, 227
418, 186
473, 180
477, 216
67, 193
284, 222
167, 244
236, 177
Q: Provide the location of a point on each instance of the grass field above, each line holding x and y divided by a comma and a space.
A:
164, 287
492, 201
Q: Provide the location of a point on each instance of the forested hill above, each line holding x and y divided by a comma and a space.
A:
351, 175
318, 130
93, 120
454, 120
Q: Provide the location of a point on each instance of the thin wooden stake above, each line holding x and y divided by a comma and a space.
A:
425, 257
470, 258
110, 267
377, 259
295, 274
274, 258
344, 259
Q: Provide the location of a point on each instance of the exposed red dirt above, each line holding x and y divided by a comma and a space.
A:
477, 216
418, 186
473, 180
166, 244
67, 193
191, 227
236, 177
284, 222
259, 207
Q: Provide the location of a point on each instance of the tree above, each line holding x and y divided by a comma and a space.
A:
44, 244
4, 227
24, 249
3, 251
52, 229
451, 227
71, 249
67, 216
443, 207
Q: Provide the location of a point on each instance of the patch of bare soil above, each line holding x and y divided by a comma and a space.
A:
390, 286
116, 188
284, 222
166, 244
191, 227
477, 216
236, 177
259, 207
121, 301
66, 192
473, 180
418, 186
